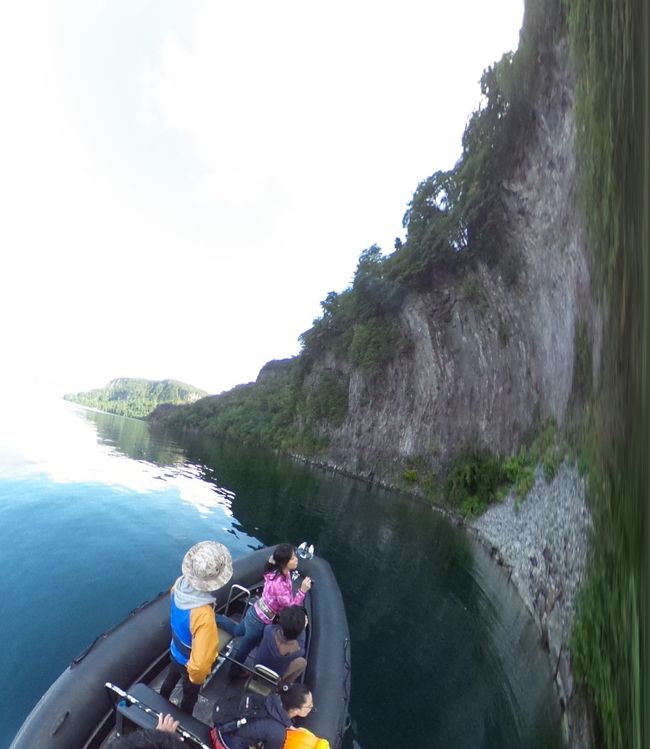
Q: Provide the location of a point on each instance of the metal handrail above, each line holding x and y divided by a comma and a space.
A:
243, 592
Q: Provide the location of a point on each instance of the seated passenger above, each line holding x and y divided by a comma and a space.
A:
277, 594
269, 732
283, 645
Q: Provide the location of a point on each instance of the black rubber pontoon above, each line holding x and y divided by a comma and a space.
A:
77, 712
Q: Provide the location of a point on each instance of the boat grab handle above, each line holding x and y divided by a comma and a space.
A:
242, 592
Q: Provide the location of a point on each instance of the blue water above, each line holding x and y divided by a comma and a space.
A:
96, 513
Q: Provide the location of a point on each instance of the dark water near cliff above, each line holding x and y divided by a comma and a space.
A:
96, 513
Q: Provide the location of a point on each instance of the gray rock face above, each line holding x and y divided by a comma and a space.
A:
493, 354
488, 357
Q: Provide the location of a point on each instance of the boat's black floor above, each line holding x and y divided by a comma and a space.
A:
218, 687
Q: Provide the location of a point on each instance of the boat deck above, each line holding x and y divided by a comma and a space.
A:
218, 687
78, 710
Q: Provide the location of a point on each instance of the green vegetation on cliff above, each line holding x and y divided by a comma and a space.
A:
455, 218
127, 396
478, 478
266, 412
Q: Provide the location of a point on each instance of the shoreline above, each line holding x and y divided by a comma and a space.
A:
542, 544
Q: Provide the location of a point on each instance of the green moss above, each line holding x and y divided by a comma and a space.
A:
431, 487
473, 481
551, 461
473, 291
327, 399
525, 481
472, 507
477, 478
513, 466
410, 475
374, 343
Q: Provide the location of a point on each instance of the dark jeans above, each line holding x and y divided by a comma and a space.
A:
190, 690
249, 630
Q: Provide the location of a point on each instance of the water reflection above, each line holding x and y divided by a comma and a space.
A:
42, 435
444, 652
132, 438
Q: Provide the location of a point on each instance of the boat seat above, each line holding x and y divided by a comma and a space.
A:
224, 639
264, 681
152, 700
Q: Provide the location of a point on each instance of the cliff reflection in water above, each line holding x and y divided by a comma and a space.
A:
161, 462
444, 653
133, 438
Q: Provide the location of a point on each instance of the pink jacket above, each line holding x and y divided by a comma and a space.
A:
277, 595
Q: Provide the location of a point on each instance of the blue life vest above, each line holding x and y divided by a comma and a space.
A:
181, 645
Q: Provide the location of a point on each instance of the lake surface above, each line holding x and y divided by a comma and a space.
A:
96, 513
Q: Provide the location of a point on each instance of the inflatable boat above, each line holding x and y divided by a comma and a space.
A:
111, 687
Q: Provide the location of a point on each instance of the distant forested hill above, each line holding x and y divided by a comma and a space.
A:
128, 396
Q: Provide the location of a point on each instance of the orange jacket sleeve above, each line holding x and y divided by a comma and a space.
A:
205, 643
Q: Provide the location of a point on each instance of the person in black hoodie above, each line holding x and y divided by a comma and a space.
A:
268, 732
283, 645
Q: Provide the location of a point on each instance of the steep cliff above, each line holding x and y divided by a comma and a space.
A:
495, 348
478, 329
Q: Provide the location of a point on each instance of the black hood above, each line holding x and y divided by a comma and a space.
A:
273, 704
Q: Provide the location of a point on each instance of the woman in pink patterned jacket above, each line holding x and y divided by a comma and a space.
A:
276, 596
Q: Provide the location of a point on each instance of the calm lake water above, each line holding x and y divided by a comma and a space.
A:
96, 513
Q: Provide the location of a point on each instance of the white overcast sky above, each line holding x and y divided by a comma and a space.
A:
182, 182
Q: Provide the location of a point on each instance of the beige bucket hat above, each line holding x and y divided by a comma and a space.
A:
207, 566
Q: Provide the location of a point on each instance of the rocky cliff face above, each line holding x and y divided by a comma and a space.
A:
494, 351
501, 347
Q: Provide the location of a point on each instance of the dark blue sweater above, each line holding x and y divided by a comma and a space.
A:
270, 730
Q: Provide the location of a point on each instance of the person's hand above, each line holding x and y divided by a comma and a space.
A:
167, 724
305, 585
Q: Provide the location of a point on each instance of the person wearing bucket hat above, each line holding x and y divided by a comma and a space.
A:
206, 567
